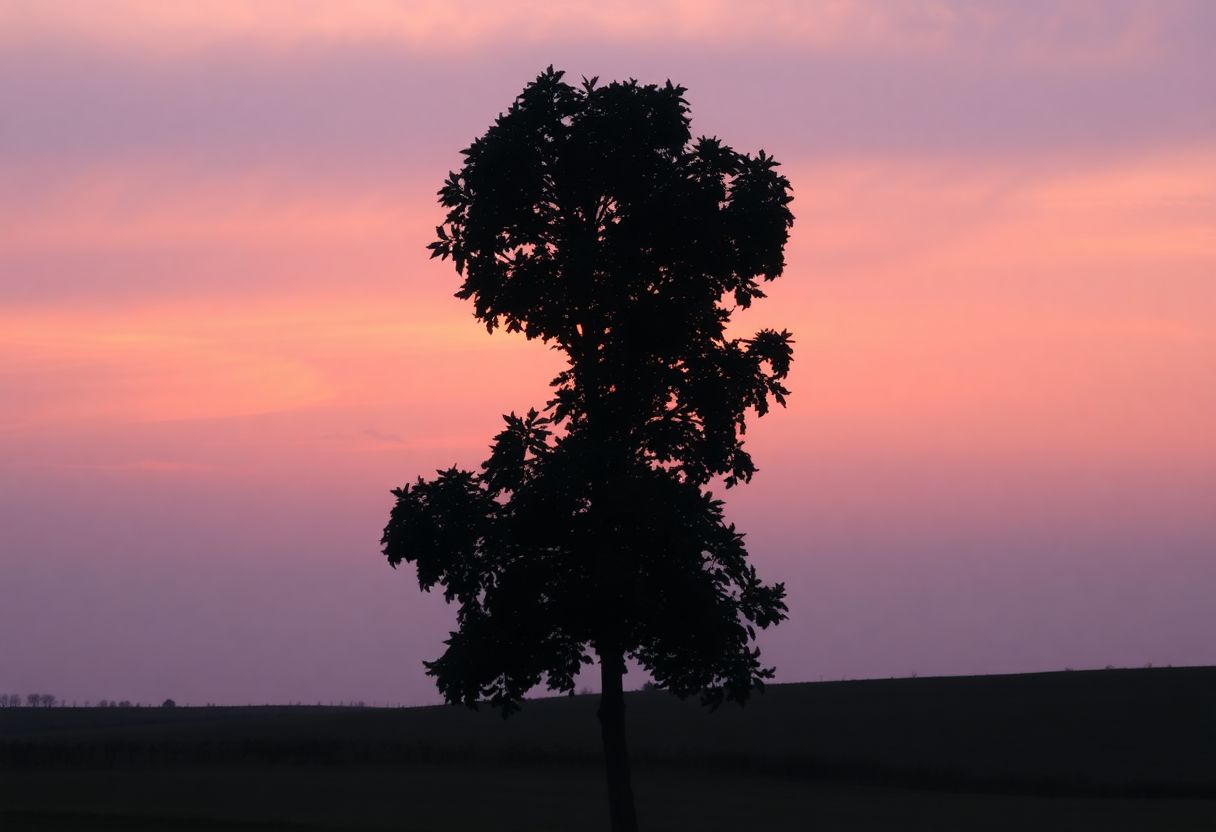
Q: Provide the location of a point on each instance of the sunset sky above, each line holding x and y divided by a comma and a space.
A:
222, 342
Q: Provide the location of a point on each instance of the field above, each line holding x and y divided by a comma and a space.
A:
1102, 750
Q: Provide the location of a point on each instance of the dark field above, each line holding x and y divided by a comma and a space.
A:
1102, 750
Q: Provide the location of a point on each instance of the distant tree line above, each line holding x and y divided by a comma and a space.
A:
49, 700
31, 700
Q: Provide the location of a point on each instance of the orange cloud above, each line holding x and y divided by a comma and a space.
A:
946, 308
964, 311
126, 205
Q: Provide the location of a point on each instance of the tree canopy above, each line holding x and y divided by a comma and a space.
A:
589, 218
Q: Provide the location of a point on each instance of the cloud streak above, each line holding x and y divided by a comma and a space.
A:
1077, 30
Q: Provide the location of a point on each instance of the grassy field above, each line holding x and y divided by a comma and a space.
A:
1102, 750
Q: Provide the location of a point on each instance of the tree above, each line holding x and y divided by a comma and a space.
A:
168, 703
33, 700
587, 217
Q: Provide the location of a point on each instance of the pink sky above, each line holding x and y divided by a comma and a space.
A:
222, 343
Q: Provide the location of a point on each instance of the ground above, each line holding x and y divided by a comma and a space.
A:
1105, 750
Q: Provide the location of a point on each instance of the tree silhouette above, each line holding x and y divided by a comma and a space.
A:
587, 217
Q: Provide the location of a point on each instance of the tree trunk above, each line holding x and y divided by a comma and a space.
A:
616, 754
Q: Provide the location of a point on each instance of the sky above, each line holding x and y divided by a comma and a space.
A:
222, 342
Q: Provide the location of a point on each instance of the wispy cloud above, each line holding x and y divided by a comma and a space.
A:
1070, 31
150, 466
